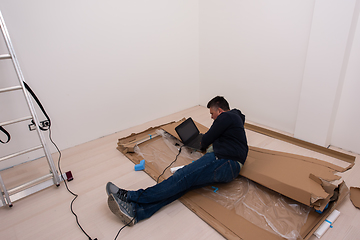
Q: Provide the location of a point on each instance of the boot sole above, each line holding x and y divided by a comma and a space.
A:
115, 209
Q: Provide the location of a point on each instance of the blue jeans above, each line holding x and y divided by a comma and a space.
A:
202, 172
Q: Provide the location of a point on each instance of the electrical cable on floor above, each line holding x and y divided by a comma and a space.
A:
157, 181
123, 228
45, 128
131, 219
74, 194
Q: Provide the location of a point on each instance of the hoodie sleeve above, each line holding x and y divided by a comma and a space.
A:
217, 128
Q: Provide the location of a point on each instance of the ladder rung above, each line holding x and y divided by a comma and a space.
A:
28, 184
5, 56
20, 153
10, 89
41, 184
15, 121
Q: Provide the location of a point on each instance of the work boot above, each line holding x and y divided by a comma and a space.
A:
113, 189
124, 210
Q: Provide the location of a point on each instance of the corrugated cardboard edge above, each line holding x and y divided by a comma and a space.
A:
329, 152
355, 196
337, 168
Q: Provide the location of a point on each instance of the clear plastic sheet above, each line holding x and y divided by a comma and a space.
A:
157, 153
259, 205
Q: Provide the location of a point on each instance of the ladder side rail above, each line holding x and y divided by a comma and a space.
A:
43, 141
28, 100
7, 197
2, 203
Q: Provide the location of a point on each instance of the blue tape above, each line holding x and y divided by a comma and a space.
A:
331, 226
215, 189
318, 211
150, 136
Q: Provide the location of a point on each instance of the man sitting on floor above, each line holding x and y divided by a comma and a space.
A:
222, 165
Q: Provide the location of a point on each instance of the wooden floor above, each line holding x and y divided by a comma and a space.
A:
46, 214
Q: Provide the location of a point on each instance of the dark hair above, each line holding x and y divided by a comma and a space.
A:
219, 102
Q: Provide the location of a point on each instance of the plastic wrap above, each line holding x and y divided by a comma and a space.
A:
157, 153
259, 205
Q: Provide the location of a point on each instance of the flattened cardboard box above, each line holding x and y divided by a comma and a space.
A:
297, 177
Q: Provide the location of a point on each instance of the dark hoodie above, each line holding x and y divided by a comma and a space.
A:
228, 137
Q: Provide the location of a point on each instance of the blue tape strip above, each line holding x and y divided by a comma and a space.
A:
331, 226
215, 189
150, 136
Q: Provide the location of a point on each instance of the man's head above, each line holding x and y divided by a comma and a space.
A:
217, 105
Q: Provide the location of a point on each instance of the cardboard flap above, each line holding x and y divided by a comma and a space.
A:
355, 196
320, 202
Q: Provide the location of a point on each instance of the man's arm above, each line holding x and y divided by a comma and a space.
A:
215, 131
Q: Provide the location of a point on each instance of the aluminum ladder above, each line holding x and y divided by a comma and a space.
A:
8, 196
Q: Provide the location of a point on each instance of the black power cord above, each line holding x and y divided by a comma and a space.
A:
74, 194
157, 181
45, 128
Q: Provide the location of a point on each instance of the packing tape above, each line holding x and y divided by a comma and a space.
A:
331, 226
327, 224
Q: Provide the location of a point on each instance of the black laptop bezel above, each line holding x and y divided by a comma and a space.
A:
195, 133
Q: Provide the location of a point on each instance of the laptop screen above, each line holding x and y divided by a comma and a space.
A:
187, 130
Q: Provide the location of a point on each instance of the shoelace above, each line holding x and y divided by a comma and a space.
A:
128, 208
122, 195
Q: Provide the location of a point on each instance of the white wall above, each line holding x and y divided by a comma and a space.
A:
326, 57
289, 65
102, 66
346, 131
253, 53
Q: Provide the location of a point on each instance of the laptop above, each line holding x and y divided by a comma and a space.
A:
189, 134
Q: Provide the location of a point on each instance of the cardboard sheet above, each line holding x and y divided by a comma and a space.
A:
300, 178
